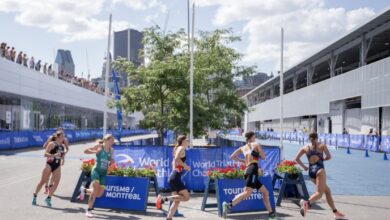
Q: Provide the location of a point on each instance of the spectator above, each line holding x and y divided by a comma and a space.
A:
345, 131
38, 66
32, 63
19, 59
2, 49
371, 132
7, 53
49, 70
45, 68
13, 54
25, 59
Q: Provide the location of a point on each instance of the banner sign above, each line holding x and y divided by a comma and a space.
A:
356, 141
199, 159
227, 189
127, 193
342, 140
385, 143
5, 140
371, 143
332, 139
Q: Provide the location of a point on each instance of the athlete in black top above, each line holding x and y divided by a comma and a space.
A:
54, 153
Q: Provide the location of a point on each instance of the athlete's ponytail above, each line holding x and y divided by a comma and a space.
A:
179, 141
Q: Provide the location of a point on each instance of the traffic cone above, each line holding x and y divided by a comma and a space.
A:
385, 156
367, 153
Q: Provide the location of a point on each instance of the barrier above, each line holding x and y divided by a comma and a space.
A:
199, 159
228, 188
23, 139
298, 183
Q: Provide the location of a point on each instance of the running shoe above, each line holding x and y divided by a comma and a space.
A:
159, 202
82, 193
304, 207
339, 215
46, 190
89, 214
34, 202
272, 216
225, 209
48, 201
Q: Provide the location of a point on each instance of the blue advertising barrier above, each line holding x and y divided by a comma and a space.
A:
342, 140
199, 159
385, 143
356, 141
227, 189
127, 193
23, 139
371, 143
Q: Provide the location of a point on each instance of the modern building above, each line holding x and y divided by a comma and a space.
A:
250, 82
64, 62
344, 85
31, 100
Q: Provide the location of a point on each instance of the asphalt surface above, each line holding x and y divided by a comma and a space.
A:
21, 171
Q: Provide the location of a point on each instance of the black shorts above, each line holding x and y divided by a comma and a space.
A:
175, 181
252, 176
314, 168
54, 166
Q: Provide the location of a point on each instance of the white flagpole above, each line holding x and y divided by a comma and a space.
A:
192, 78
281, 96
106, 89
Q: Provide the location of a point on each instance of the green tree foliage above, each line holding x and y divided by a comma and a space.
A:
160, 89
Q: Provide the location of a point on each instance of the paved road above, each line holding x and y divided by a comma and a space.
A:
21, 171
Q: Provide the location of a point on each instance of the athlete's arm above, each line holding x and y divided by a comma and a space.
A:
66, 143
48, 149
235, 154
301, 152
327, 153
112, 161
47, 142
178, 159
92, 150
261, 152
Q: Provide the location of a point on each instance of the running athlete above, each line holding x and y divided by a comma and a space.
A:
104, 157
66, 145
252, 153
179, 191
54, 152
315, 155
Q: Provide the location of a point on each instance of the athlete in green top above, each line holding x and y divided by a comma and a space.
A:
104, 153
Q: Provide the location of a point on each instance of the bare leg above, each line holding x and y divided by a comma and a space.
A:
182, 196
266, 202
56, 177
45, 176
329, 199
321, 186
92, 197
173, 209
238, 198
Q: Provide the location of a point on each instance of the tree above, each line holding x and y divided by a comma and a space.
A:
160, 89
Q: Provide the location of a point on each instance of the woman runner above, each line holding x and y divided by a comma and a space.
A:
54, 152
315, 155
252, 153
104, 153
179, 191
66, 145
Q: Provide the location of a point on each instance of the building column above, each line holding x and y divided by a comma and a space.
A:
295, 80
309, 72
365, 45
272, 92
332, 64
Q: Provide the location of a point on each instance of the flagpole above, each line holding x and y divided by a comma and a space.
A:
281, 96
192, 78
106, 89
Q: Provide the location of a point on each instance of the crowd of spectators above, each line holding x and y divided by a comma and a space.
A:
9, 53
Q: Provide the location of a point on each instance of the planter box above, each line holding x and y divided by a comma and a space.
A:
227, 189
126, 193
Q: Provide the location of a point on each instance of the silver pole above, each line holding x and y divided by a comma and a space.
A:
188, 24
281, 96
106, 90
192, 77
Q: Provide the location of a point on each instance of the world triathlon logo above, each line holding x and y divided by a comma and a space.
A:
123, 158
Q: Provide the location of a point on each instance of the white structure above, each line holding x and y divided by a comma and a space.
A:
345, 85
37, 101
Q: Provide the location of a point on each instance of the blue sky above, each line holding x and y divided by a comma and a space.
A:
40, 27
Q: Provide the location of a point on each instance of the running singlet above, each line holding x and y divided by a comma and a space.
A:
314, 168
252, 152
102, 160
180, 167
55, 162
